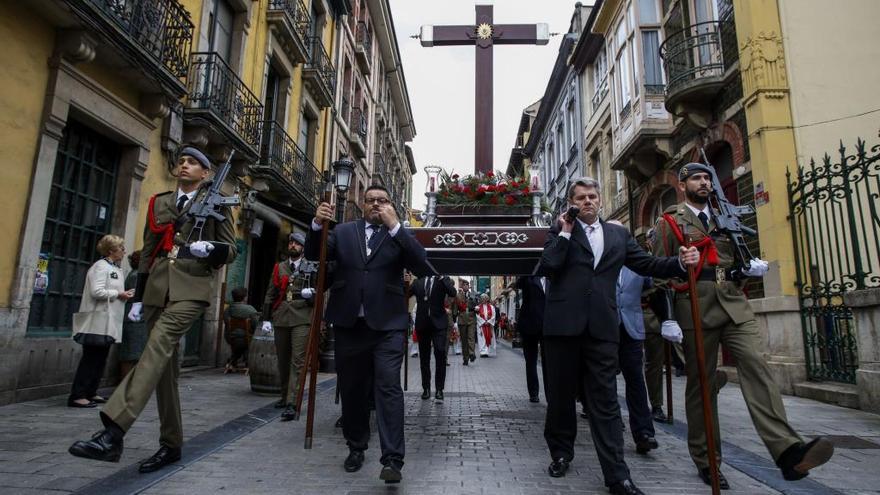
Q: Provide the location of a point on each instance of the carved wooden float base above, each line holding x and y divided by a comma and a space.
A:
483, 250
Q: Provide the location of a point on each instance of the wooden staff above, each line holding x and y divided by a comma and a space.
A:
310, 366
667, 355
701, 369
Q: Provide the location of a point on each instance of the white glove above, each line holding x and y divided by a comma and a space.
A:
307, 293
671, 331
201, 249
757, 268
136, 312
267, 326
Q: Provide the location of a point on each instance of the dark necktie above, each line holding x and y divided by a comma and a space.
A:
181, 202
373, 242
429, 282
705, 219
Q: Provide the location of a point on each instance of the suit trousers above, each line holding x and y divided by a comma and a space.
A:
157, 369
630, 353
290, 347
758, 388
369, 360
594, 363
655, 358
467, 334
530, 347
89, 372
437, 338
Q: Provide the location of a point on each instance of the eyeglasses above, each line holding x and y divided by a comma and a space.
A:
381, 201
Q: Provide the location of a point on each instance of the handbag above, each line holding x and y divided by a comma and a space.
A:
90, 327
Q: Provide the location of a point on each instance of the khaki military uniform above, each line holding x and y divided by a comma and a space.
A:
291, 319
466, 320
176, 294
727, 319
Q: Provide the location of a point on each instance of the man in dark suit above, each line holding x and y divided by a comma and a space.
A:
368, 310
431, 321
582, 258
530, 325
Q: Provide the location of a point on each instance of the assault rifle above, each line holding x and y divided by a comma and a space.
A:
211, 204
728, 219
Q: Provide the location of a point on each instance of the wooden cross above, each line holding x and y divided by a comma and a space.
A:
484, 35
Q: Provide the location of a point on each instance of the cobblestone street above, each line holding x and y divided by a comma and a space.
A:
485, 438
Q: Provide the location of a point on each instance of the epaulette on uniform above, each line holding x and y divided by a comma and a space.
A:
163, 193
672, 209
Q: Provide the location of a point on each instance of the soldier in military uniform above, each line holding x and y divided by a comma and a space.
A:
175, 286
464, 316
727, 319
288, 309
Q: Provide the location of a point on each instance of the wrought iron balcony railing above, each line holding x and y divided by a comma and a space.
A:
320, 72
294, 17
655, 89
280, 153
215, 89
364, 38
159, 29
379, 166
692, 54
358, 123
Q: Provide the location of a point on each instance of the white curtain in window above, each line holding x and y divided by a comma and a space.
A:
651, 49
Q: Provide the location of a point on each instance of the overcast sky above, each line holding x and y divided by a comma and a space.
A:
441, 79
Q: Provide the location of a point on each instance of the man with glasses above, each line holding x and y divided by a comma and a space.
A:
368, 310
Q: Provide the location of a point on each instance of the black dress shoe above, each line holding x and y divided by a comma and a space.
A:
88, 405
289, 414
390, 473
426, 394
534, 399
706, 476
646, 444
354, 461
280, 404
658, 415
625, 487
797, 460
465, 363
438, 396
104, 446
558, 468
473, 358
163, 457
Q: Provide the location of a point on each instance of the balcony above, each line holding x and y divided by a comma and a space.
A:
319, 74
153, 35
357, 125
694, 64
220, 101
380, 168
363, 48
288, 169
289, 20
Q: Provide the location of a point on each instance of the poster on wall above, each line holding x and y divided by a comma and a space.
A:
41, 280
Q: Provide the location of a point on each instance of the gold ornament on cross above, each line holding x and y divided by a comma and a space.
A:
484, 31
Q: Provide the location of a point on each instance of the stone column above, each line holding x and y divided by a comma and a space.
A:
865, 305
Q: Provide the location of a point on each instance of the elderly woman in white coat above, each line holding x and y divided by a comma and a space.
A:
104, 290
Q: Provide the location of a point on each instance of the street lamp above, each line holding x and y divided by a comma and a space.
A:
535, 190
343, 170
432, 187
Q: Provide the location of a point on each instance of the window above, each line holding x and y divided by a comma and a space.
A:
572, 124
651, 52
600, 71
648, 12
625, 79
618, 179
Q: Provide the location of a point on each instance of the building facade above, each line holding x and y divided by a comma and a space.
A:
99, 96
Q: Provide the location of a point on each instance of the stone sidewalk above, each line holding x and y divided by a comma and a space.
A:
485, 438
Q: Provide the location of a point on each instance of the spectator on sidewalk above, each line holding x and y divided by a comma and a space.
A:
239, 338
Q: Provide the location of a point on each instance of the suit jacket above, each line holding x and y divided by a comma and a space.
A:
431, 314
531, 313
375, 282
183, 279
718, 301
629, 302
581, 298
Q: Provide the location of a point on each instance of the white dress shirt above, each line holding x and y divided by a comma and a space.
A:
189, 197
595, 236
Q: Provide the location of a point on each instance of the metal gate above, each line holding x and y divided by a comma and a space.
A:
834, 223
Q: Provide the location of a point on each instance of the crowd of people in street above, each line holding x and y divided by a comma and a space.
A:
598, 305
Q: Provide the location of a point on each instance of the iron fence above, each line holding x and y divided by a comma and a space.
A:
319, 61
834, 223
358, 123
281, 153
364, 38
161, 28
214, 87
297, 14
691, 54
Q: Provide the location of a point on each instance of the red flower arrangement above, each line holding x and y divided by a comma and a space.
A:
483, 189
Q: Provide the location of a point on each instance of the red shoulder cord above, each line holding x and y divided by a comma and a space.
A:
166, 243
706, 246
280, 283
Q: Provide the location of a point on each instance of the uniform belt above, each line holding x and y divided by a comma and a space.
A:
180, 252
712, 274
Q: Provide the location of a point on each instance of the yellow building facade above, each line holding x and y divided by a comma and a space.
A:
98, 96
